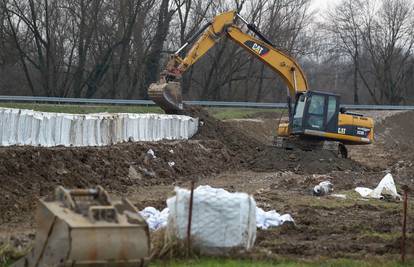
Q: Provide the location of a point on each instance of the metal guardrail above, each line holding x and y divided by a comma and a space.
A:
59, 100
377, 107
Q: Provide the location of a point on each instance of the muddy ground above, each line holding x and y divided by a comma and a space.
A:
236, 155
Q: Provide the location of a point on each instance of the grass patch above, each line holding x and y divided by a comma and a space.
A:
239, 113
326, 202
352, 198
211, 262
383, 236
9, 254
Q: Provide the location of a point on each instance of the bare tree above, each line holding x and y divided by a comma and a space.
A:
103, 48
343, 22
388, 37
152, 61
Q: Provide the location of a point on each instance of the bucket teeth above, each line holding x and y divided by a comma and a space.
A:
167, 96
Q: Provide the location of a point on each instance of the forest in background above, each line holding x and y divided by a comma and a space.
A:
361, 49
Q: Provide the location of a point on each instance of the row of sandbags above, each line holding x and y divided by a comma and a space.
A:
28, 127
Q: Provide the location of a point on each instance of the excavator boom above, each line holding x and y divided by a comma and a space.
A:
167, 92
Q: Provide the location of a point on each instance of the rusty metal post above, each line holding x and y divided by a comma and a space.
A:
190, 215
404, 222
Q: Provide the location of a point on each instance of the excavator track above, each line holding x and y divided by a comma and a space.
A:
167, 95
298, 143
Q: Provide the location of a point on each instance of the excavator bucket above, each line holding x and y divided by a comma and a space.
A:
167, 95
83, 227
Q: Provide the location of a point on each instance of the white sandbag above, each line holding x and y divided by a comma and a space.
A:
28, 127
25, 127
220, 220
386, 186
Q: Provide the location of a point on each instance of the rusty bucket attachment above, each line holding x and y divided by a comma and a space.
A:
83, 227
167, 95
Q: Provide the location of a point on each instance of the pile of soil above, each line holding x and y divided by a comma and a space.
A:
252, 154
29, 172
395, 134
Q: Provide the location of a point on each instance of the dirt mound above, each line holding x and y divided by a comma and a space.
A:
28, 172
395, 136
396, 132
260, 129
231, 137
254, 154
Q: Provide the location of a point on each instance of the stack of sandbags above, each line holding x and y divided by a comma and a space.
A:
28, 127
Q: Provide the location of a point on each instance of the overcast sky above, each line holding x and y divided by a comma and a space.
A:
321, 5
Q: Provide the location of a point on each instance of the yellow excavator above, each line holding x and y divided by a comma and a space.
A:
314, 117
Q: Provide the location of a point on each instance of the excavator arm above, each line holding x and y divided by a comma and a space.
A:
167, 92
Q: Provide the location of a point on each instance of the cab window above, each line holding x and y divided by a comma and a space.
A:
297, 117
317, 104
316, 112
331, 108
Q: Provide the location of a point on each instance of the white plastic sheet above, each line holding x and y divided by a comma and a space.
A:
156, 219
266, 219
386, 186
28, 127
220, 219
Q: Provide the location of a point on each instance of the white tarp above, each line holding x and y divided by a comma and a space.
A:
220, 219
386, 186
264, 219
155, 219
28, 127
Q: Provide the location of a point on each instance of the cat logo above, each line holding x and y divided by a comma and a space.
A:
259, 49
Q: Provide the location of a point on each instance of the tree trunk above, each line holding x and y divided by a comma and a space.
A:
153, 59
356, 66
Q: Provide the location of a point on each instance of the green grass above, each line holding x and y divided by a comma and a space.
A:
210, 262
383, 236
8, 254
219, 113
239, 113
352, 198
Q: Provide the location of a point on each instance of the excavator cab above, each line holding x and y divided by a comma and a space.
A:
315, 112
317, 115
